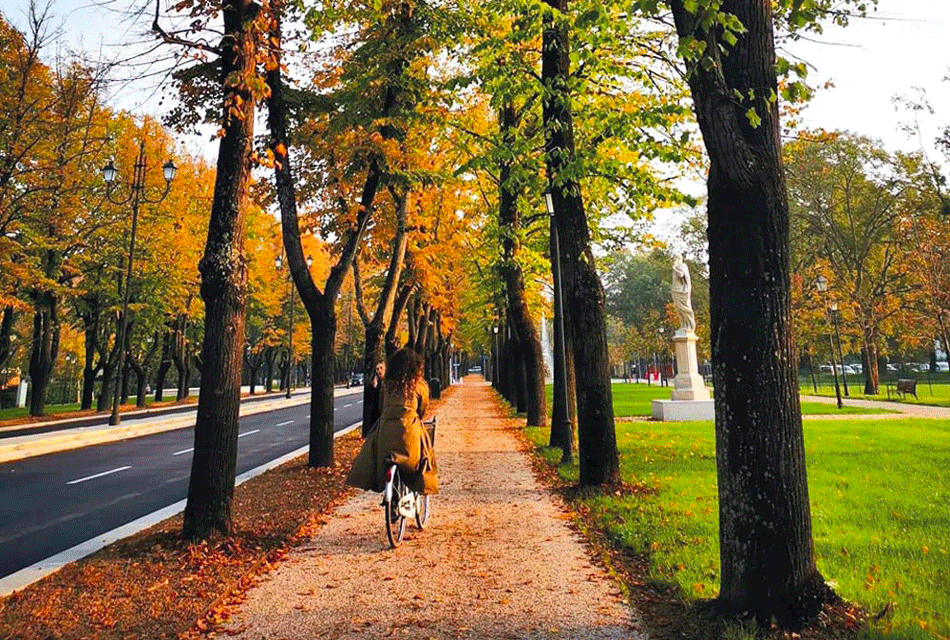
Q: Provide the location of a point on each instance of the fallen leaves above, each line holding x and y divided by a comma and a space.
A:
153, 586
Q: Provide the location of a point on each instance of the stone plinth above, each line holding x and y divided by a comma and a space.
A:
688, 384
683, 410
690, 398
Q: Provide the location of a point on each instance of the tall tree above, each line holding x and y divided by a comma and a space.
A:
583, 291
766, 552
236, 86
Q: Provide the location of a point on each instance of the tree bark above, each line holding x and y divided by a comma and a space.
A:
90, 348
46, 332
165, 363
224, 289
6, 334
399, 307
872, 380
766, 555
583, 292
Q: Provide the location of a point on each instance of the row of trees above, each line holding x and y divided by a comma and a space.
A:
541, 69
416, 147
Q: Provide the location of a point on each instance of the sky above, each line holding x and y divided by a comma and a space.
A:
902, 46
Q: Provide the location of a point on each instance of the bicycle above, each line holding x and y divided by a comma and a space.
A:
401, 503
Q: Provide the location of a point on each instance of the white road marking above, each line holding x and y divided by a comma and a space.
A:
359, 402
178, 453
347, 405
247, 433
99, 475
281, 424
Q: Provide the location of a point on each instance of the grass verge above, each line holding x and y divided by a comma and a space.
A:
878, 494
635, 400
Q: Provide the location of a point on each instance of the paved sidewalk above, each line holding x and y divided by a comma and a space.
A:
18, 447
498, 559
904, 409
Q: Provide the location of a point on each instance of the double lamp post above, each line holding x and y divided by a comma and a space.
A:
279, 264
136, 196
821, 283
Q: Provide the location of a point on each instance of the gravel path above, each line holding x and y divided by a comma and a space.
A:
905, 409
498, 559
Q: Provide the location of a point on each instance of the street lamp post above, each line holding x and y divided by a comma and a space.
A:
560, 416
821, 283
279, 263
135, 197
844, 376
662, 374
494, 377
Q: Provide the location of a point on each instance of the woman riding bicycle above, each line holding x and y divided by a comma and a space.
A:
400, 436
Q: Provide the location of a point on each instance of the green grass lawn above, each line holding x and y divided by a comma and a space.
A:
879, 494
17, 412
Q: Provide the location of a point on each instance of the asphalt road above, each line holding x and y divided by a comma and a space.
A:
53, 502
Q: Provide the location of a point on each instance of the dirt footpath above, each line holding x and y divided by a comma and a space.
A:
497, 559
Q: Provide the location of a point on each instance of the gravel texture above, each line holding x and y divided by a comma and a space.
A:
905, 409
497, 560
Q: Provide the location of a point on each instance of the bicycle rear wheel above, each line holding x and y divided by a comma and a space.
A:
395, 521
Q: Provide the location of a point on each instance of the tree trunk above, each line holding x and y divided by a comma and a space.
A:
45, 349
509, 220
376, 328
90, 348
6, 333
270, 355
320, 307
223, 289
583, 291
323, 332
766, 555
872, 378
164, 365
399, 307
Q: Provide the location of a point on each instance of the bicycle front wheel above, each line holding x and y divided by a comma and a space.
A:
422, 511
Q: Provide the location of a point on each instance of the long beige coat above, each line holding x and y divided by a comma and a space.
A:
401, 438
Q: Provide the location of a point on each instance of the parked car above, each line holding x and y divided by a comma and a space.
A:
356, 379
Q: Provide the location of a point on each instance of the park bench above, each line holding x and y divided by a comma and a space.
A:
903, 387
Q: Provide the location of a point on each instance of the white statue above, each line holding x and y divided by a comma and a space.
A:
682, 288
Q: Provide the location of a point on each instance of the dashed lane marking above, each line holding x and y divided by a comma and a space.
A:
99, 475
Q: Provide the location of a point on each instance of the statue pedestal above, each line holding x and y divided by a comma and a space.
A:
690, 399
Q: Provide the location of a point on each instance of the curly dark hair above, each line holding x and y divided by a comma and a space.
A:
403, 370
